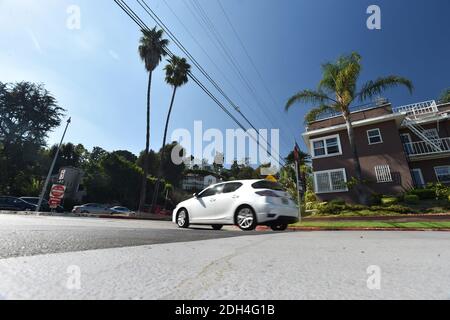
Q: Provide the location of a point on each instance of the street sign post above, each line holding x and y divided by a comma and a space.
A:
56, 195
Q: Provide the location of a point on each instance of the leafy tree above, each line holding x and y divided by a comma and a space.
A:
173, 173
176, 75
153, 162
28, 112
338, 90
70, 156
151, 50
445, 97
127, 155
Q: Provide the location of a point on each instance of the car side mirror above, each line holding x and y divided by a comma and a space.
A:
195, 195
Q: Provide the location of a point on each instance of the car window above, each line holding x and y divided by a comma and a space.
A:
265, 184
231, 187
211, 191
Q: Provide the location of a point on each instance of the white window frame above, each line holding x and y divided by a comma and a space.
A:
329, 172
383, 173
437, 177
324, 139
379, 135
420, 175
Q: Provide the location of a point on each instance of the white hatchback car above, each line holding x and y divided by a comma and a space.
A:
245, 203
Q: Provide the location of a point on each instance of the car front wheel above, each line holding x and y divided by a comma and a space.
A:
183, 219
246, 219
279, 227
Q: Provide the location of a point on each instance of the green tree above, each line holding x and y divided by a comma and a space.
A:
176, 75
151, 50
338, 90
127, 155
28, 112
445, 97
173, 173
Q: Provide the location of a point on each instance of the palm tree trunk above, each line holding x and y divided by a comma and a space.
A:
147, 149
362, 196
158, 182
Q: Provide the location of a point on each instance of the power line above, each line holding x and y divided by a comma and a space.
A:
122, 4
232, 60
266, 87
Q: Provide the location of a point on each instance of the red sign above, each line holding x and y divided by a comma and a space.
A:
54, 203
57, 191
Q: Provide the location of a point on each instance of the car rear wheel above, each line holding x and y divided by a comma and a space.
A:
246, 219
183, 219
279, 227
217, 227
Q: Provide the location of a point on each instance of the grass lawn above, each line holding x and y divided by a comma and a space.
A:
375, 224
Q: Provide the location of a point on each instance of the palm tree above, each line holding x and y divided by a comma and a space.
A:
338, 90
445, 97
176, 75
151, 50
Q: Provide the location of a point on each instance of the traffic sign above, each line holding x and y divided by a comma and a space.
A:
54, 203
57, 191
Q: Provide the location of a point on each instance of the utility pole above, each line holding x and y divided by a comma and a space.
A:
47, 180
299, 188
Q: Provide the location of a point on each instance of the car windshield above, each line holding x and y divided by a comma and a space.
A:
265, 184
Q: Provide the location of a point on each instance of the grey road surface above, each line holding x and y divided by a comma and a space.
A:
60, 258
32, 235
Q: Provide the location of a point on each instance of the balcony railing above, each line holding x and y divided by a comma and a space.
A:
417, 109
422, 148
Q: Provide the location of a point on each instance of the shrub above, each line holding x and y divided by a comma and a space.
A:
424, 194
330, 208
389, 201
338, 201
441, 191
310, 205
392, 208
375, 199
310, 196
357, 207
448, 198
411, 198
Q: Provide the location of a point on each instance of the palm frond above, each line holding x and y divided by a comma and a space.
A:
177, 71
307, 97
312, 115
373, 88
445, 97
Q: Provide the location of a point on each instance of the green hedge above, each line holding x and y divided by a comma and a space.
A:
423, 194
411, 199
388, 201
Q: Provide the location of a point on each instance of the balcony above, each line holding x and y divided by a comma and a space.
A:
422, 150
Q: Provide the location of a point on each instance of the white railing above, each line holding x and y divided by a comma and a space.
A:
418, 109
423, 148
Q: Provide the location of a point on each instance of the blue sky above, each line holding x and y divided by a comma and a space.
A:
96, 74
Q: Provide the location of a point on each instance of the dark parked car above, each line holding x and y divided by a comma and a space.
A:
15, 204
44, 207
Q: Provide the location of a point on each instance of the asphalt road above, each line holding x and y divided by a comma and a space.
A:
73, 258
32, 235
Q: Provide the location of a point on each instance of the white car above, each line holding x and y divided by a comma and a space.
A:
245, 203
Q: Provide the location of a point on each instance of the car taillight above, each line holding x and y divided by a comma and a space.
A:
267, 193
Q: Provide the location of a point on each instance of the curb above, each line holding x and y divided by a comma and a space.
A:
314, 229
152, 218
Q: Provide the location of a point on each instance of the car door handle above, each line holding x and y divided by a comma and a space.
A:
235, 197
212, 200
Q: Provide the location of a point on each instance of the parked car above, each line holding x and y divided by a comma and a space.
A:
121, 210
15, 204
92, 208
245, 203
45, 207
